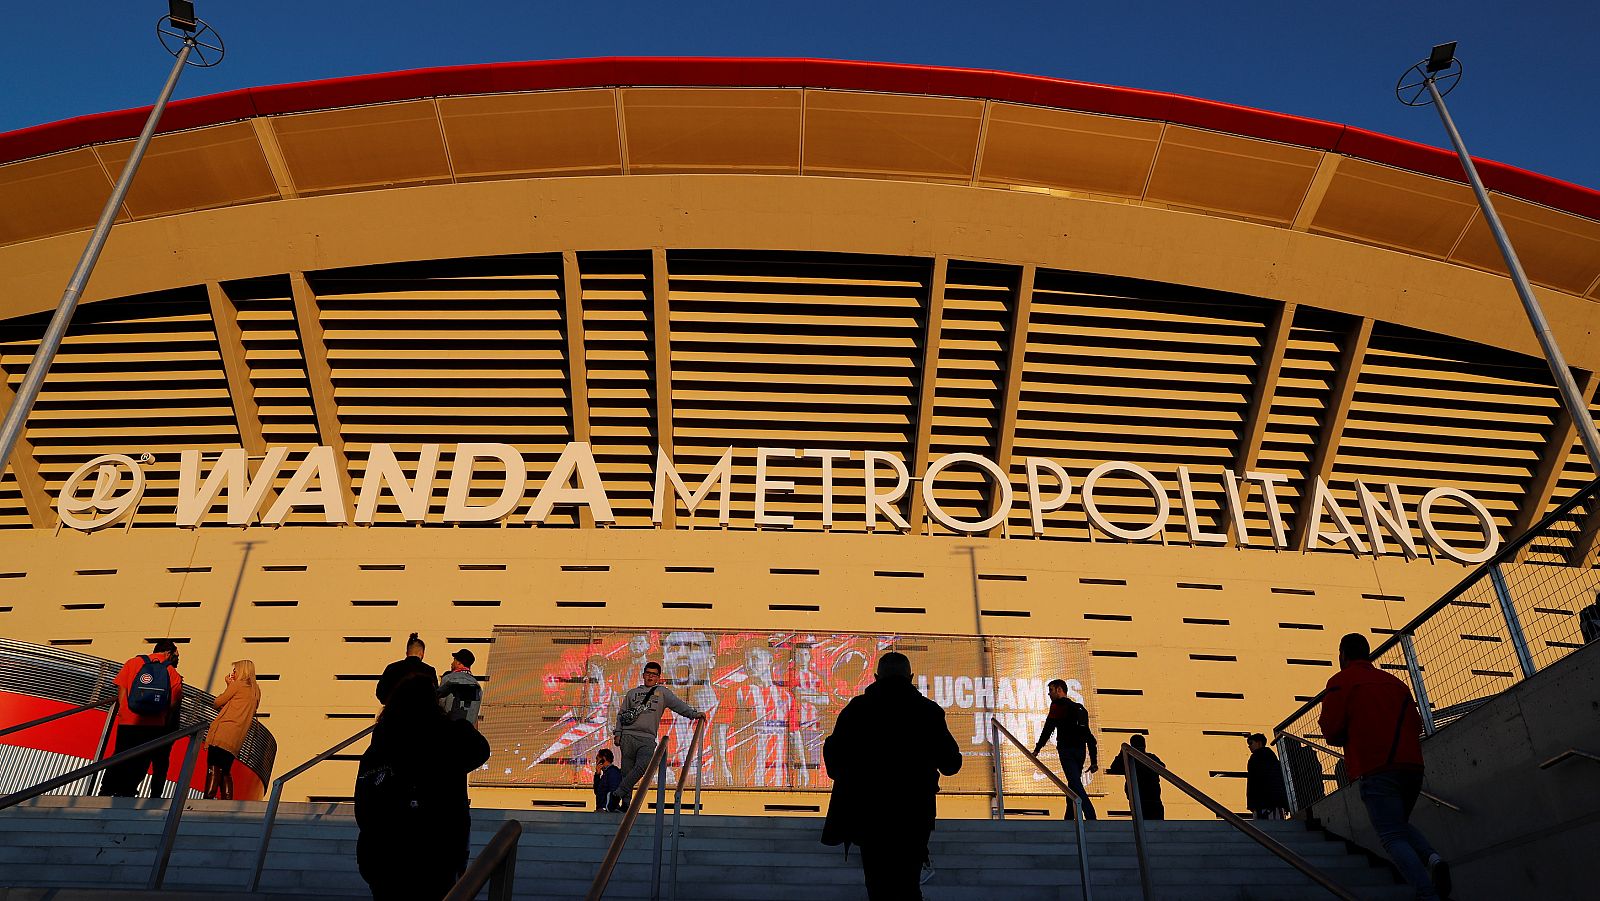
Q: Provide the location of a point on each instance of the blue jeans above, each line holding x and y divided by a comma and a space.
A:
1072, 770
1389, 798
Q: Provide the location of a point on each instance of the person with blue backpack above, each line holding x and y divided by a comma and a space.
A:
149, 693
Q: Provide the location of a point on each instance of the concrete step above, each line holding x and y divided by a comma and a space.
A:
111, 842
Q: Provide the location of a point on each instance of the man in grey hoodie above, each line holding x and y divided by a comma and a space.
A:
639, 721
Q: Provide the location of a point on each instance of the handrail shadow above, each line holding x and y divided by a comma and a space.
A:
496, 866
1074, 800
180, 789
1134, 757
271, 816
602, 877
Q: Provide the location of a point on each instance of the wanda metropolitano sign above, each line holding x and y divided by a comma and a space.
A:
109, 488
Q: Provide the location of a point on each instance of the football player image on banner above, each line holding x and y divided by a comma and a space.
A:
688, 660
753, 725
770, 698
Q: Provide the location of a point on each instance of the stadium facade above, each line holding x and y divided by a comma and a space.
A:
733, 354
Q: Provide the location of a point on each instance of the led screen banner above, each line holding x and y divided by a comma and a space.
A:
772, 697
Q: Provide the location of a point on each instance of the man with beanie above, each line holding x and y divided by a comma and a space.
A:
890, 729
1370, 714
459, 692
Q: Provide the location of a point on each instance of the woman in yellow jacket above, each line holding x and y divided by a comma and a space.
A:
236, 710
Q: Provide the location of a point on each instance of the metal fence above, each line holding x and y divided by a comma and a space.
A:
1536, 601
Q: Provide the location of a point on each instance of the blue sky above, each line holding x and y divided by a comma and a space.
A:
1530, 95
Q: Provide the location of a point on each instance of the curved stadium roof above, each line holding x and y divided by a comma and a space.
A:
826, 347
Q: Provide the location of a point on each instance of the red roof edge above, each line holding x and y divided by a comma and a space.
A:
491, 78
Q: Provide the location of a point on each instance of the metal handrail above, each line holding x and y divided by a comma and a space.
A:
60, 714
1132, 756
1074, 800
1485, 569
677, 798
602, 877
496, 866
1327, 750
271, 816
169, 829
1569, 754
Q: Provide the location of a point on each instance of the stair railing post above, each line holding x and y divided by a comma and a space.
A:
661, 814
1519, 642
180, 796
100, 748
999, 775
1083, 849
266, 833
1288, 774
1138, 823
1418, 687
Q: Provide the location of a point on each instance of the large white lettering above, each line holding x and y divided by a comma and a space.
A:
575, 480
456, 506
231, 472
720, 476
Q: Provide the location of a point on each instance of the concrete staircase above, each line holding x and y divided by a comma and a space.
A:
100, 845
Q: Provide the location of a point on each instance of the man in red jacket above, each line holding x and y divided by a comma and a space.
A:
1371, 715
147, 708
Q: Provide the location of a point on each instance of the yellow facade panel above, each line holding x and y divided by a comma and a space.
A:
52, 195
891, 136
217, 166
363, 147
1380, 205
1229, 174
710, 130
1027, 145
539, 133
1555, 249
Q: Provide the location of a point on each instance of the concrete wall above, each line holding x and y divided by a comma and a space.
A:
1523, 832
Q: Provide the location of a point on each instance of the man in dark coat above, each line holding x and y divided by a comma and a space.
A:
409, 665
1150, 806
1263, 789
890, 728
412, 810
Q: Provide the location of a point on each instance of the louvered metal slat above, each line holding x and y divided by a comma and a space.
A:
802, 327
618, 339
1122, 370
488, 323
166, 339
1431, 410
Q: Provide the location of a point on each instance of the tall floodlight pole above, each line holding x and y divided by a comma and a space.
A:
194, 43
1420, 86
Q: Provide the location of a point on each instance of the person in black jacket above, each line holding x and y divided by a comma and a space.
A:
607, 778
890, 728
1069, 720
1263, 788
411, 796
409, 665
1150, 806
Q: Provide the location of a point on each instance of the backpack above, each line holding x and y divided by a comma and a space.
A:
386, 796
631, 714
151, 693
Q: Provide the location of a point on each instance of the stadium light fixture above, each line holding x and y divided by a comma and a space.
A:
1426, 83
193, 43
